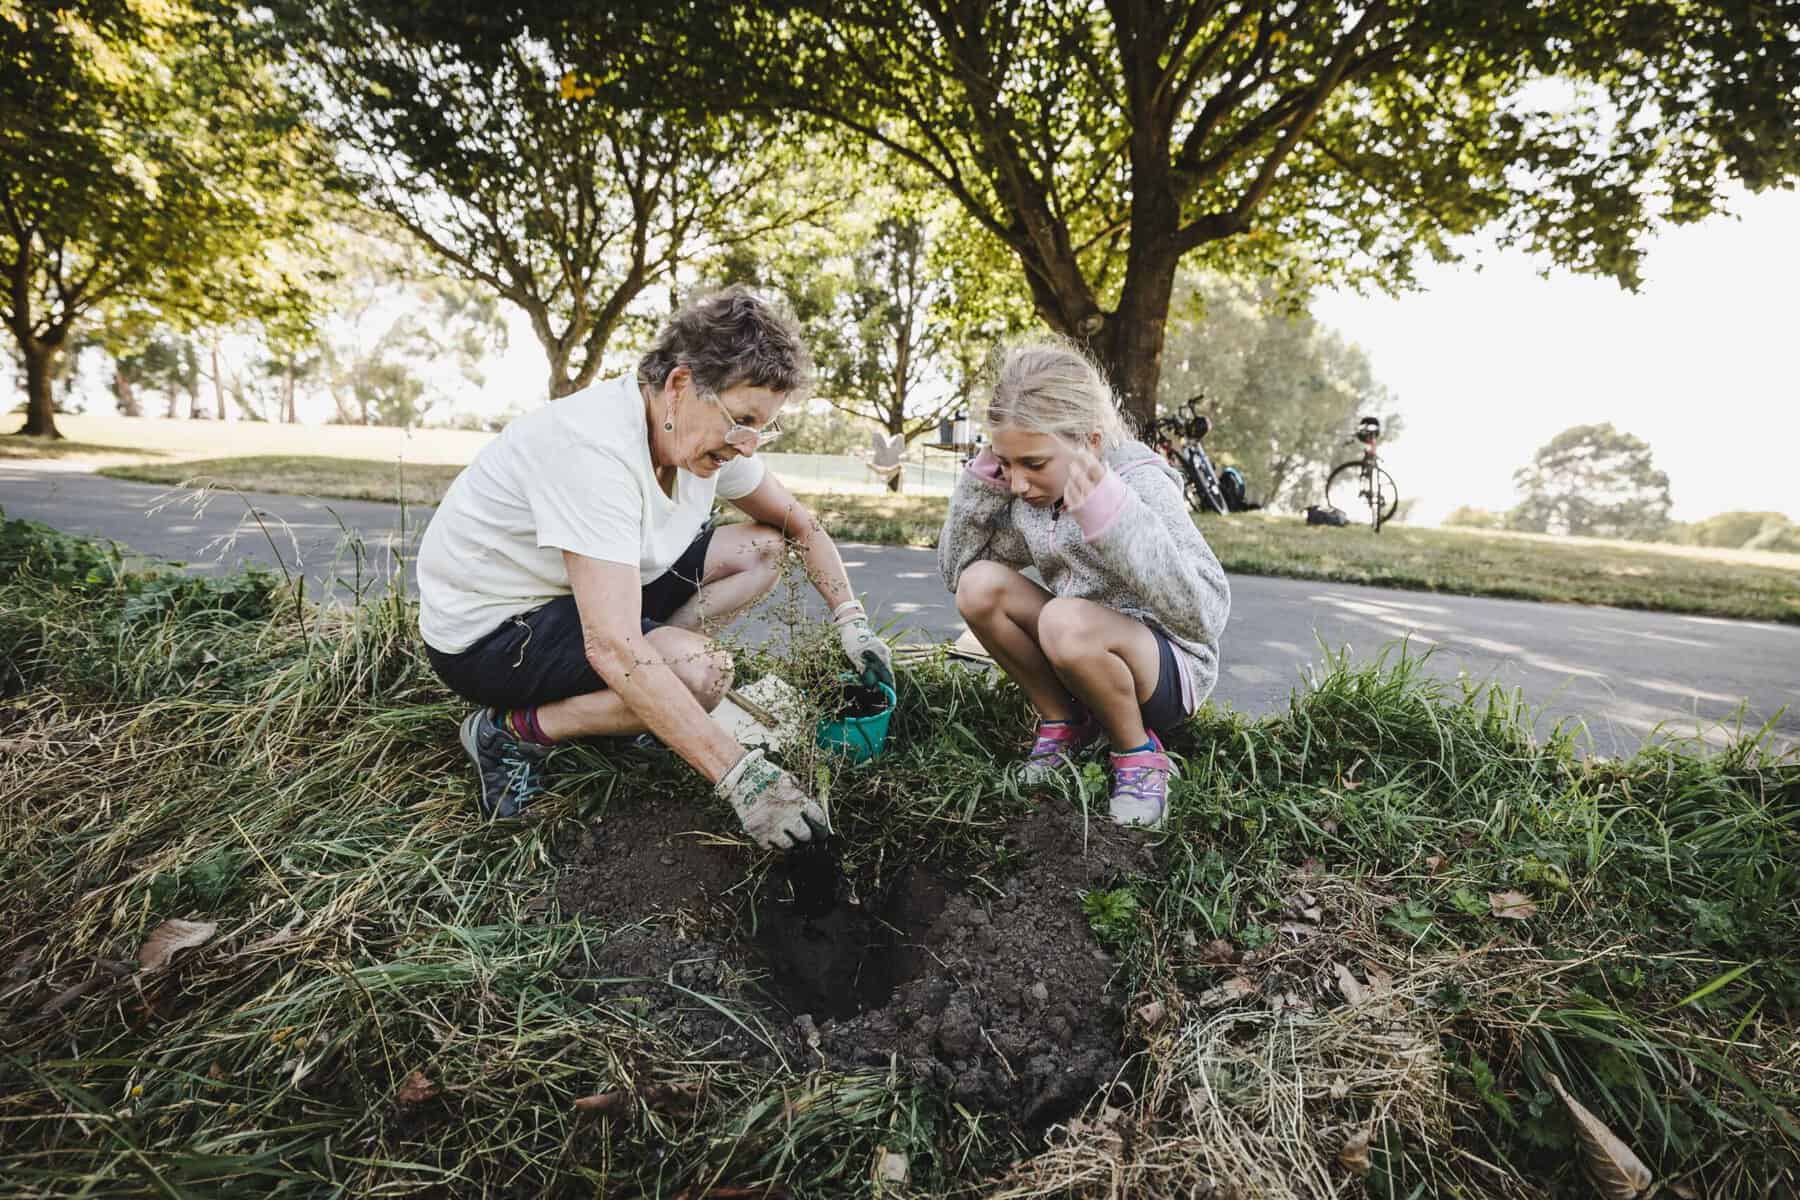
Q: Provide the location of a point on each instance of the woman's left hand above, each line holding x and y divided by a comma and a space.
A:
865, 650
1085, 474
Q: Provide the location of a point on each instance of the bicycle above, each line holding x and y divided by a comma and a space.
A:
1373, 485
1177, 438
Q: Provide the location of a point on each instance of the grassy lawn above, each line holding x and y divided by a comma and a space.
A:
1741, 584
257, 941
303, 475
113, 440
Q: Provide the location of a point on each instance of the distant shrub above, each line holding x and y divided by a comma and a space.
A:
1467, 517
1740, 530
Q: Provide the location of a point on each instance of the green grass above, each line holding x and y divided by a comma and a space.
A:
219, 751
16, 447
302, 475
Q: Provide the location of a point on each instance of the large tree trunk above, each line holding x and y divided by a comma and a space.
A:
125, 394
287, 394
218, 379
40, 407
896, 423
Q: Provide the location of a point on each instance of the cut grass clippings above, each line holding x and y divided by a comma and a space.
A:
1659, 578
1319, 990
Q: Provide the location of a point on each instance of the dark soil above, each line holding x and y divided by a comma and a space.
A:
860, 700
1003, 1000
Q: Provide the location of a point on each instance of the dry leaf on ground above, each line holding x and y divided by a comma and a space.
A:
1152, 1014
1617, 1172
892, 1167
417, 1088
1219, 952
1514, 906
1353, 1156
1103, 1125
1235, 988
1353, 991
173, 935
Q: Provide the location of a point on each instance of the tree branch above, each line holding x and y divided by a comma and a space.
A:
1334, 73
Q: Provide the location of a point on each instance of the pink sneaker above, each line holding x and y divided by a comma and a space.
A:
1140, 791
1056, 746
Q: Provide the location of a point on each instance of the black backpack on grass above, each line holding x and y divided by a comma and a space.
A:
1316, 515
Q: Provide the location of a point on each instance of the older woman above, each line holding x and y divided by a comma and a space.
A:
565, 577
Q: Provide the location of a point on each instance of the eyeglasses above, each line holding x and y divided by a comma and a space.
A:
746, 439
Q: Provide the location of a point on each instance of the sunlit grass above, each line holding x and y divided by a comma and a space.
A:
216, 752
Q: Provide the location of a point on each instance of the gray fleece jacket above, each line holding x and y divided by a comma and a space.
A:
1130, 546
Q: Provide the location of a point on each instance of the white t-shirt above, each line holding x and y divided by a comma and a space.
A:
573, 475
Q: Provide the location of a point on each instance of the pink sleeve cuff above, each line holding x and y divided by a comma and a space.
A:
1096, 514
986, 468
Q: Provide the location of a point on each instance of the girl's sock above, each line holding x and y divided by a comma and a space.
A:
1148, 745
522, 723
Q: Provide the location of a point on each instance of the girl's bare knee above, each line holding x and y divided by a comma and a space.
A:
981, 589
1065, 632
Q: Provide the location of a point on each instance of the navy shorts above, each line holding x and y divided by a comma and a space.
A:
1164, 709
540, 656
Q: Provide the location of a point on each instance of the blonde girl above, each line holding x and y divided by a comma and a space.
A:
1122, 638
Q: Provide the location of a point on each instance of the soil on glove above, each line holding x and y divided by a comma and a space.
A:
996, 992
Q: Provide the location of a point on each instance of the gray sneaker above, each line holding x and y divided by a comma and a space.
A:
511, 772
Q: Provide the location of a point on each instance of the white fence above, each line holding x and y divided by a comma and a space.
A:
928, 472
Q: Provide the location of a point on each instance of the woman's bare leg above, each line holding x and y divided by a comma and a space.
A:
698, 662
743, 563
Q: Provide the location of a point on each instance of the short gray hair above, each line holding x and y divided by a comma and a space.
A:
1043, 383
728, 338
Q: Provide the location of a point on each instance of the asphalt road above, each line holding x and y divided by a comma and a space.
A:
1623, 674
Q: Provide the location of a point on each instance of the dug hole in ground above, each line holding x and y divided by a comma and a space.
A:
988, 984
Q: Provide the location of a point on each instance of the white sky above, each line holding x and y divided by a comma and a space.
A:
1703, 363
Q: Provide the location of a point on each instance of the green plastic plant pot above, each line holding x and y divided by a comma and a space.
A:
859, 737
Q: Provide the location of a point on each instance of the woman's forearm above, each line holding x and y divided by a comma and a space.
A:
635, 671
824, 565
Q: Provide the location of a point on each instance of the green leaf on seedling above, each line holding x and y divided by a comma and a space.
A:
1111, 913
1469, 903
1412, 919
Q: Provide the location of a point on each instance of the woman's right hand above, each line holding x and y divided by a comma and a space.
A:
773, 810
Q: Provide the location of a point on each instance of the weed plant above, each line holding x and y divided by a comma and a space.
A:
390, 1001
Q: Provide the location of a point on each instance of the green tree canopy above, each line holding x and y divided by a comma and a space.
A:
1104, 143
463, 124
1282, 390
146, 157
898, 296
1592, 481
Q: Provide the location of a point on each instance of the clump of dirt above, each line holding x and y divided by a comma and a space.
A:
994, 990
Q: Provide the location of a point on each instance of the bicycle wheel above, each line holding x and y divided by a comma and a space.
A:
1203, 483
1345, 489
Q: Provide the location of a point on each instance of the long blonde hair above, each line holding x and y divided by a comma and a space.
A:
1044, 383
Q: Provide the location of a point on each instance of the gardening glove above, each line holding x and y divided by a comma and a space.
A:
773, 810
865, 651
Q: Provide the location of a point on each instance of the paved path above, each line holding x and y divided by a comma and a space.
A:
1623, 673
